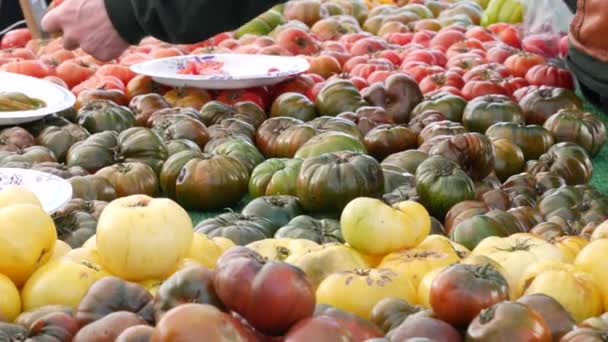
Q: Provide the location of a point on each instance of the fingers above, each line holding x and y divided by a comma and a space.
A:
51, 22
70, 43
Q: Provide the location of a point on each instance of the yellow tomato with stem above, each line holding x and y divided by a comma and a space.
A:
90, 255
570, 246
357, 291
592, 259
10, 300
206, 251
27, 240
415, 263
575, 290
374, 228
281, 249
327, 259
140, 237
441, 243
516, 253
61, 249
60, 282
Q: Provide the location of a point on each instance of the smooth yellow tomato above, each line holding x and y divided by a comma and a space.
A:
373, 228
14, 194
415, 263
327, 259
600, 232
61, 249
357, 291
516, 253
439, 243
91, 242
575, 290
281, 249
570, 246
84, 254
206, 251
139, 237
152, 285
27, 240
593, 260
423, 293
10, 300
60, 282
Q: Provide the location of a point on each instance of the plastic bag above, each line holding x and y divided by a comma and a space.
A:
546, 16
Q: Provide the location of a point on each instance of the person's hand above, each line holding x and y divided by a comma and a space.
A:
85, 24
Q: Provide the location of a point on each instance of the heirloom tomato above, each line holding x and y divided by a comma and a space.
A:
207, 251
10, 302
374, 228
591, 259
368, 285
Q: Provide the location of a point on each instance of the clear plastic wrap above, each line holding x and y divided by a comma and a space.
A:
546, 16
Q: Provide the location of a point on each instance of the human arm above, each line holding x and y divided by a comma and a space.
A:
181, 21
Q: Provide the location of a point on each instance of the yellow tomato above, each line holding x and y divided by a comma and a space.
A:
374, 228
423, 295
27, 240
575, 290
60, 282
223, 242
139, 237
357, 291
439, 243
327, 259
281, 249
206, 251
592, 259
570, 246
600, 232
152, 285
61, 249
516, 253
14, 194
91, 242
84, 254
10, 301
187, 262
415, 263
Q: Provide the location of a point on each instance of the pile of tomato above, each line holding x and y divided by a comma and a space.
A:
426, 180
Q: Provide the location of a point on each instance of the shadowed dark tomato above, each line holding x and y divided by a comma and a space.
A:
461, 292
508, 321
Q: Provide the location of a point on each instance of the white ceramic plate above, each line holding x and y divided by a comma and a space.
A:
55, 97
239, 71
52, 191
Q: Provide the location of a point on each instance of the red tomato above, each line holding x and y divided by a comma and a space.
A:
62, 55
122, 72
314, 91
20, 53
351, 38
367, 46
466, 61
165, 52
520, 63
73, 73
440, 80
473, 89
546, 45
550, 75
354, 61
391, 55
522, 92
315, 78
500, 53
399, 38
420, 70
134, 59
486, 72
297, 42
425, 56
229, 43
423, 37
32, 68
450, 90
17, 38
510, 35
480, 33
512, 84
231, 97
365, 70
378, 76
445, 39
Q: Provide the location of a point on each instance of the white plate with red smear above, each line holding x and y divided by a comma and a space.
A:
222, 71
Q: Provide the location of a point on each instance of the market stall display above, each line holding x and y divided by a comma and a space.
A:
429, 175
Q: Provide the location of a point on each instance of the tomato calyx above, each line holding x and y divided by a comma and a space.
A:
487, 315
282, 253
123, 168
90, 265
520, 245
